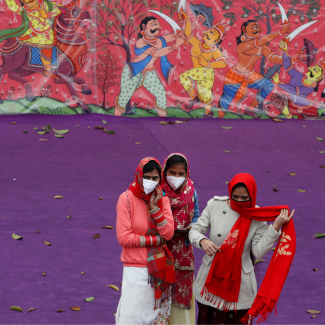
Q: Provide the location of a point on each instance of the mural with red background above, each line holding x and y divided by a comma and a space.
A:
243, 59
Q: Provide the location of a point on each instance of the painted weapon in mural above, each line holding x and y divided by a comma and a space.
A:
181, 8
68, 57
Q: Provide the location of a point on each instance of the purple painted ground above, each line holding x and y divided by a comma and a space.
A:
88, 164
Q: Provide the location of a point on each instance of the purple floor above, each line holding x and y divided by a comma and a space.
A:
88, 164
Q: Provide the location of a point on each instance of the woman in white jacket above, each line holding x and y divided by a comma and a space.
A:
225, 286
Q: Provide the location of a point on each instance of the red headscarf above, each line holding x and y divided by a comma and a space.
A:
159, 259
181, 200
224, 277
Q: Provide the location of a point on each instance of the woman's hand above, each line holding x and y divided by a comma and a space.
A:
155, 197
209, 247
282, 219
188, 228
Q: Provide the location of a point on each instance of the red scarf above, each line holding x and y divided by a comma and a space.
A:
181, 200
160, 260
224, 277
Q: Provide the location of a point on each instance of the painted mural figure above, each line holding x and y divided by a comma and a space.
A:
141, 71
250, 48
299, 87
206, 56
39, 32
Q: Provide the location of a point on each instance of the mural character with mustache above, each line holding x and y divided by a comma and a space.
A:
141, 71
299, 87
206, 56
250, 48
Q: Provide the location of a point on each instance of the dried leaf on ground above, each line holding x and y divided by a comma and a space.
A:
43, 140
319, 235
41, 132
259, 261
88, 127
17, 308
180, 122
59, 136
114, 314
313, 311
13, 122
60, 310
47, 243
43, 273
315, 270
35, 128
109, 132
226, 151
58, 197
321, 151
319, 139
104, 122
302, 191
61, 131
107, 227
101, 199
82, 272
226, 127
293, 174
170, 122
25, 132
14, 236
77, 124
75, 308
68, 217
113, 287
89, 299
37, 231
227, 183
277, 120
272, 249
303, 126
99, 127
163, 123
275, 190
322, 166
313, 316
97, 236
138, 143
31, 309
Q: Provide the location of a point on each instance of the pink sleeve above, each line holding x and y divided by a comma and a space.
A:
124, 233
167, 231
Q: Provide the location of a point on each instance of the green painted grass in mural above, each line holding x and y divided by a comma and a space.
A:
50, 106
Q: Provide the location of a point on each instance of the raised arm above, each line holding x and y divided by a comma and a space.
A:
12, 5
268, 38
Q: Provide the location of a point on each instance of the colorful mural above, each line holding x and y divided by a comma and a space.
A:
244, 59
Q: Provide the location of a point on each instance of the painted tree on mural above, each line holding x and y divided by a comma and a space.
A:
118, 21
267, 13
105, 71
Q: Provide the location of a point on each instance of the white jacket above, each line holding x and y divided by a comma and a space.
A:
220, 219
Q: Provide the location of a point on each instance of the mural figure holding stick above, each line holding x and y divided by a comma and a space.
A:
141, 71
206, 56
250, 48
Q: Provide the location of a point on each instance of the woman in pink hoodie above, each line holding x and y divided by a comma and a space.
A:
144, 222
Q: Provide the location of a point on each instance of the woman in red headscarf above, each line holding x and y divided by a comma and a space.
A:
144, 222
184, 202
225, 286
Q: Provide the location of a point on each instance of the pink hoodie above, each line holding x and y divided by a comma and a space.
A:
130, 228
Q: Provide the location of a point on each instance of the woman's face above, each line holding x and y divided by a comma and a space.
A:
152, 176
176, 170
240, 194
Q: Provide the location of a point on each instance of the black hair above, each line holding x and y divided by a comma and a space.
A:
245, 24
175, 160
150, 166
240, 185
317, 86
145, 22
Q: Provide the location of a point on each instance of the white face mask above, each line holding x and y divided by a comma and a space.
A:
175, 182
149, 186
